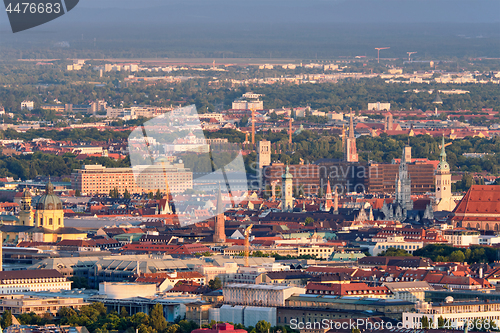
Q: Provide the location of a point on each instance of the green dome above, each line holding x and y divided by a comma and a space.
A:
161, 159
49, 201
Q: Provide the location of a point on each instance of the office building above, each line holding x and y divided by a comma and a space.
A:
93, 179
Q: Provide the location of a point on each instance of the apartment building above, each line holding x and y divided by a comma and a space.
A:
99, 179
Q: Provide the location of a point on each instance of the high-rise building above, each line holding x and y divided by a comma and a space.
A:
444, 200
287, 191
403, 182
264, 153
350, 152
220, 231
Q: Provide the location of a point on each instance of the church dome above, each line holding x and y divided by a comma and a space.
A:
49, 201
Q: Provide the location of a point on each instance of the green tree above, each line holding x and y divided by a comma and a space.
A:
441, 322
157, 319
393, 252
123, 312
308, 221
215, 284
126, 194
457, 256
6, 320
425, 322
262, 326
113, 193
158, 195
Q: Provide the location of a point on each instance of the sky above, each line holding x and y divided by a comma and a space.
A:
191, 26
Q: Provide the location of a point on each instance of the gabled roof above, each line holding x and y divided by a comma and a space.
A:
479, 199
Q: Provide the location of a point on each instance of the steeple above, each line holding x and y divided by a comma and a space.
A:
287, 191
49, 188
336, 201
351, 126
443, 151
328, 196
443, 196
350, 152
219, 226
403, 181
220, 204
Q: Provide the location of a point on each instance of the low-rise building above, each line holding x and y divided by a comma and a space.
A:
454, 314
391, 308
409, 291
258, 294
13, 282
348, 289
19, 304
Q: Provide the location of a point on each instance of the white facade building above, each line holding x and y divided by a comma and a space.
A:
455, 314
397, 242
379, 106
15, 282
259, 294
29, 105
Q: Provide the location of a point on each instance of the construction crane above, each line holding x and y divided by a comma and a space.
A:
409, 55
290, 132
378, 52
247, 244
273, 189
253, 126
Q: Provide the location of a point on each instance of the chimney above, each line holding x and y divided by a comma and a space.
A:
480, 272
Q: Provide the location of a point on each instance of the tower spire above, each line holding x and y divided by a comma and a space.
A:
351, 126
220, 232
443, 151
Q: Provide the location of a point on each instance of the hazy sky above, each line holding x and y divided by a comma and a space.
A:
304, 10
280, 27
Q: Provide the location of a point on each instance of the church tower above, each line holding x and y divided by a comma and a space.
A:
26, 214
351, 154
403, 181
264, 153
444, 200
287, 191
328, 197
220, 228
49, 212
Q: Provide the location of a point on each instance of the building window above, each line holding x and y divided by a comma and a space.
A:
50, 221
41, 220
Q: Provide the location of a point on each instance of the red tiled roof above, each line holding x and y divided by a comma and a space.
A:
480, 199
